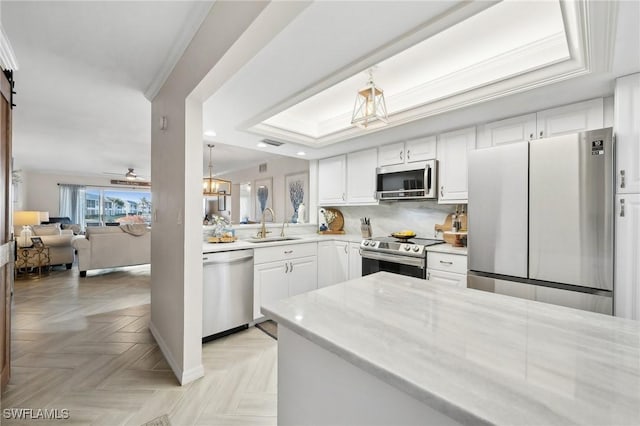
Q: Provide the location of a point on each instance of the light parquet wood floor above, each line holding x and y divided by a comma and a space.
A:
83, 344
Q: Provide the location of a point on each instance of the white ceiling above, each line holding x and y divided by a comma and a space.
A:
85, 68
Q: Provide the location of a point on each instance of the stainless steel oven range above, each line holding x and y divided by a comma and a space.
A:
404, 257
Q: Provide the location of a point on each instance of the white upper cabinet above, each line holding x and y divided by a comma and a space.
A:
420, 149
452, 165
389, 155
573, 118
515, 129
332, 189
361, 177
627, 133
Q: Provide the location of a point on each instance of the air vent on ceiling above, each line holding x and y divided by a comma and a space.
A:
272, 142
262, 167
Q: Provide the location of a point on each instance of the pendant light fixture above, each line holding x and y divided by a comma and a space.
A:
212, 186
370, 105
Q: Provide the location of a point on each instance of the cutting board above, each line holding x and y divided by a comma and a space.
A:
450, 237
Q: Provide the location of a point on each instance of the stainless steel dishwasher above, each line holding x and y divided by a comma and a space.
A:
227, 292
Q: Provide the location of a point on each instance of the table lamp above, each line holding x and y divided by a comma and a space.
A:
25, 219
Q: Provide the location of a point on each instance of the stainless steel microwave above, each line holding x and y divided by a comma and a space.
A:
413, 181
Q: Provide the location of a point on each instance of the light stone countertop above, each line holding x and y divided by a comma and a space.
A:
242, 244
477, 356
447, 248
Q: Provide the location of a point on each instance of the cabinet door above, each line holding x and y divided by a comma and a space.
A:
578, 117
341, 268
448, 278
420, 149
355, 261
270, 285
361, 177
331, 181
627, 273
627, 131
302, 275
388, 155
452, 164
326, 259
515, 129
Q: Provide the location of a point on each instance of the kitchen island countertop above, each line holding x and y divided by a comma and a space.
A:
477, 357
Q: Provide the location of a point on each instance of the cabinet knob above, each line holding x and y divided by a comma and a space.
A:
290, 266
408, 155
442, 191
530, 135
288, 251
621, 207
401, 153
428, 275
346, 250
541, 133
286, 268
622, 184
343, 197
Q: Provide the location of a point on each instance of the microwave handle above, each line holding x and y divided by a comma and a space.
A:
428, 179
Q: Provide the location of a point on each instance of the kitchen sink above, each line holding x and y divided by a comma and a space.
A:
270, 239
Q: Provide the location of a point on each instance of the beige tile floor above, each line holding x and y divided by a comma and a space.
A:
83, 344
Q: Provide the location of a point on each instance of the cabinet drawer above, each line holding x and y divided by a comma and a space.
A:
289, 251
447, 278
447, 262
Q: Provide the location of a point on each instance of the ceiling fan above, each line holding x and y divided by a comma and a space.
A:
130, 175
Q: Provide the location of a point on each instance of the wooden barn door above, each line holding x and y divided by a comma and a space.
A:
6, 243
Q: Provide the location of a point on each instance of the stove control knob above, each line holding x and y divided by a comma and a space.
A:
365, 243
416, 249
407, 248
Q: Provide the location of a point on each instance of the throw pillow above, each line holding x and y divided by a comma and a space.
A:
43, 230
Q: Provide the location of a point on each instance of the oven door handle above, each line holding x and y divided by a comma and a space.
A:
403, 260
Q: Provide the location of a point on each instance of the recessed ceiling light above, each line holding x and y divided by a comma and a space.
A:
302, 153
210, 133
262, 145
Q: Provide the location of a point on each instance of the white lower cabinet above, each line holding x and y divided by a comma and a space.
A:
447, 268
295, 272
626, 288
333, 262
355, 261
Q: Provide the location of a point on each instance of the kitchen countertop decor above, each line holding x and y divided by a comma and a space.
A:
480, 357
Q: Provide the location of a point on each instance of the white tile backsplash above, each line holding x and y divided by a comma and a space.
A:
388, 217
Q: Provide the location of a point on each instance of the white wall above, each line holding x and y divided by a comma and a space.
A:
229, 36
277, 169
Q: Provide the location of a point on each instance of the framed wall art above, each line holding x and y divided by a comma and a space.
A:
263, 197
296, 194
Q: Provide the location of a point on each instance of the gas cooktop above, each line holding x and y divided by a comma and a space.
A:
411, 247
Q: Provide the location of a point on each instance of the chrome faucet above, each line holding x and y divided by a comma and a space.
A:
262, 233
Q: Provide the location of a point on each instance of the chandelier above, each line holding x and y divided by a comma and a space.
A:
370, 105
213, 186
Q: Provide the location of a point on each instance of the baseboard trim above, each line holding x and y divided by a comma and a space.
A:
184, 377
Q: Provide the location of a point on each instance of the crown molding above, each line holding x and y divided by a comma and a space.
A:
198, 13
8, 59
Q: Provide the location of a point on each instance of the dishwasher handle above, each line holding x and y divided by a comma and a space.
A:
227, 257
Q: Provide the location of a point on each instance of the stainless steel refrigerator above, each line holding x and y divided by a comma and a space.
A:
541, 220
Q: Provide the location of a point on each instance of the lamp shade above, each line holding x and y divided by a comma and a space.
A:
23, 217
44, 217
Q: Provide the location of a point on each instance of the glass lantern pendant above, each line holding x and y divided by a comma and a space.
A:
370, 105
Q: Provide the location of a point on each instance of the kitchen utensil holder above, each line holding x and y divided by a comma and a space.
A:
365, 230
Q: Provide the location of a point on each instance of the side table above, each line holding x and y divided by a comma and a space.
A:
29, 258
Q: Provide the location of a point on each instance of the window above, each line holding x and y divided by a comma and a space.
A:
116, 206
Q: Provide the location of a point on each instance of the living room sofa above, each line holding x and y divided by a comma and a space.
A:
112, 246
57, 240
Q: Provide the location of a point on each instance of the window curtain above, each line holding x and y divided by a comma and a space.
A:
72, 203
